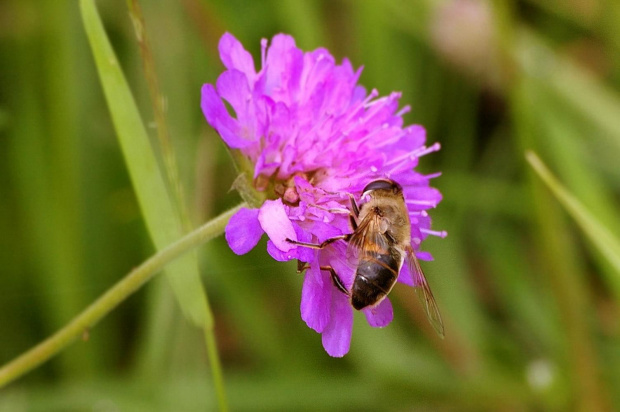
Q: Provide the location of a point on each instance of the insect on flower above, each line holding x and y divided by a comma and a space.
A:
380, 243
312, 138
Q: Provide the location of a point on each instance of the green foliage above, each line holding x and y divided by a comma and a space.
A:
528, 292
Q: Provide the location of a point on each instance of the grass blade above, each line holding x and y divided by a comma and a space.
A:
162, 219
599, 235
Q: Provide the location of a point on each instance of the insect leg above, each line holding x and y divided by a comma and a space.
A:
354, 213
322, 244
354, 207
301, 266
352, 222
337, 282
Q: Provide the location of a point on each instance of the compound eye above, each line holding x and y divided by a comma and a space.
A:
383, 184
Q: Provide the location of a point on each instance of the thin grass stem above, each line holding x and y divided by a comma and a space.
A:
85, 321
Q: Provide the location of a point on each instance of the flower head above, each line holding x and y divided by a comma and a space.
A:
314, 137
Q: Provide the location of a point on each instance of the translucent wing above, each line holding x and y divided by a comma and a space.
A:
368, 237
424, 293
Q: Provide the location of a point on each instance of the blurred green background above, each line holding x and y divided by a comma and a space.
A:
529, 304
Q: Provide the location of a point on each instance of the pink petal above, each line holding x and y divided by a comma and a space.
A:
315, 299
218, 117
275, 222
405, 276
234, 56
281, 256
344, 266
337, 334
243, 231
422, 194
381, 315
232, 85
283, 60
303, 253
324, 231
414, 137
422, 255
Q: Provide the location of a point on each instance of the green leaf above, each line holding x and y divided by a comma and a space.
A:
599, 235
162, 219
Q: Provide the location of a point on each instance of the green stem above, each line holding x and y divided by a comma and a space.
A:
82, 323
216, 368
159, 110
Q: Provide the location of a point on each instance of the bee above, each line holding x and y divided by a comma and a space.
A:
381, 244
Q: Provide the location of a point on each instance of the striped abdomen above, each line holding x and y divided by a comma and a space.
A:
375, 276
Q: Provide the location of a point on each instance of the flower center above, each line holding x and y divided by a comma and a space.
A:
287, 190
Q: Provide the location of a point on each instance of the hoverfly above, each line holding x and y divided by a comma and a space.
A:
381, 242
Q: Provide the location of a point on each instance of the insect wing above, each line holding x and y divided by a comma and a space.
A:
367, 238
423, 290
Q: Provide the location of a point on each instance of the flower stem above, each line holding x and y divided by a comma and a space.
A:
82, 323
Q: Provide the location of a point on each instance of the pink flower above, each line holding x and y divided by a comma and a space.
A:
313, 137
